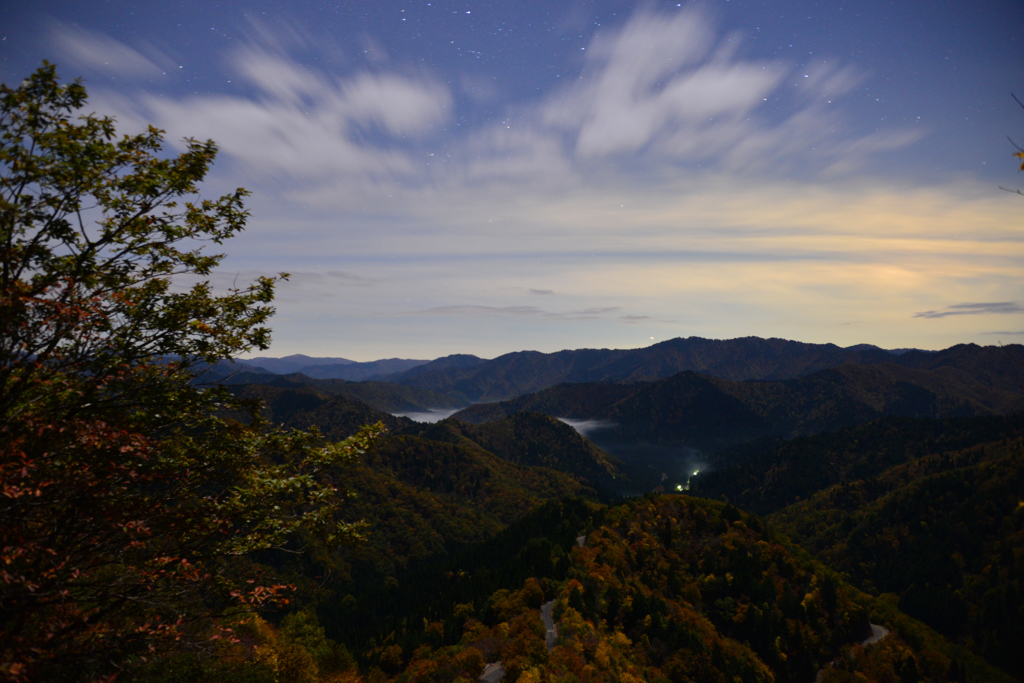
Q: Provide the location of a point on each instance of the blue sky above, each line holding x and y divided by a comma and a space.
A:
484, 177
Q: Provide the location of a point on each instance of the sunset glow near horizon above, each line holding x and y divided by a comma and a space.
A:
486, 177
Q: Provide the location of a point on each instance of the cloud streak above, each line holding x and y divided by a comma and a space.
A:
103, 54
661, 89
673, 186
650, 82
974, 309
306, 126
472, 310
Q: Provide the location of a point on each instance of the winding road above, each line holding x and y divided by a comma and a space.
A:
877, 633
494, 671
549, 624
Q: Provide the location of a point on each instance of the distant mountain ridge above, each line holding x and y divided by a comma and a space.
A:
289, 364
384, 396
747, 358
330, 368
708, 412
358, 372
469, 379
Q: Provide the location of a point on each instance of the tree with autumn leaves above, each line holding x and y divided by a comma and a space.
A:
129, 506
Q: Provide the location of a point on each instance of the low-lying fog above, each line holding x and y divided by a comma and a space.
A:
587, 427
651, 465
646, 465
430, 415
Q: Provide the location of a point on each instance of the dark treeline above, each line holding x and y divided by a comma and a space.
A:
944, 533
768, 474
665, 588
535, 546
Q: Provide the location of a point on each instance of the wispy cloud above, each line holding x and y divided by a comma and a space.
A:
636, 192
652, 79
973, 309
327, 280
592, 313
306, 126
103, 54
662, 88
475, 310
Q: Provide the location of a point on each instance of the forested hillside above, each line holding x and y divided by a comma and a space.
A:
384, 396
420, 499
664, 588
903, 509
944, 532
535, 439
426, 489
749, 358
766, 475
949, 564
708, 413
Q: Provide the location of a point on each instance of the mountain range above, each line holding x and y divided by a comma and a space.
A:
288, 364
705, 412
474, 380
329, 368
899, 471
940, 533
515, 374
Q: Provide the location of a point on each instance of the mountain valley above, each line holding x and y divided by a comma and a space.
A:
872, 470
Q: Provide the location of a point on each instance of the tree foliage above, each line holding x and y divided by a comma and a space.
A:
1020, 150
678, 589
944, 533
127, 506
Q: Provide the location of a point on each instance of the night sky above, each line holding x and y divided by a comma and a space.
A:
485, 177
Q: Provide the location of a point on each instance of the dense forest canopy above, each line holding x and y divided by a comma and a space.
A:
129, 506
